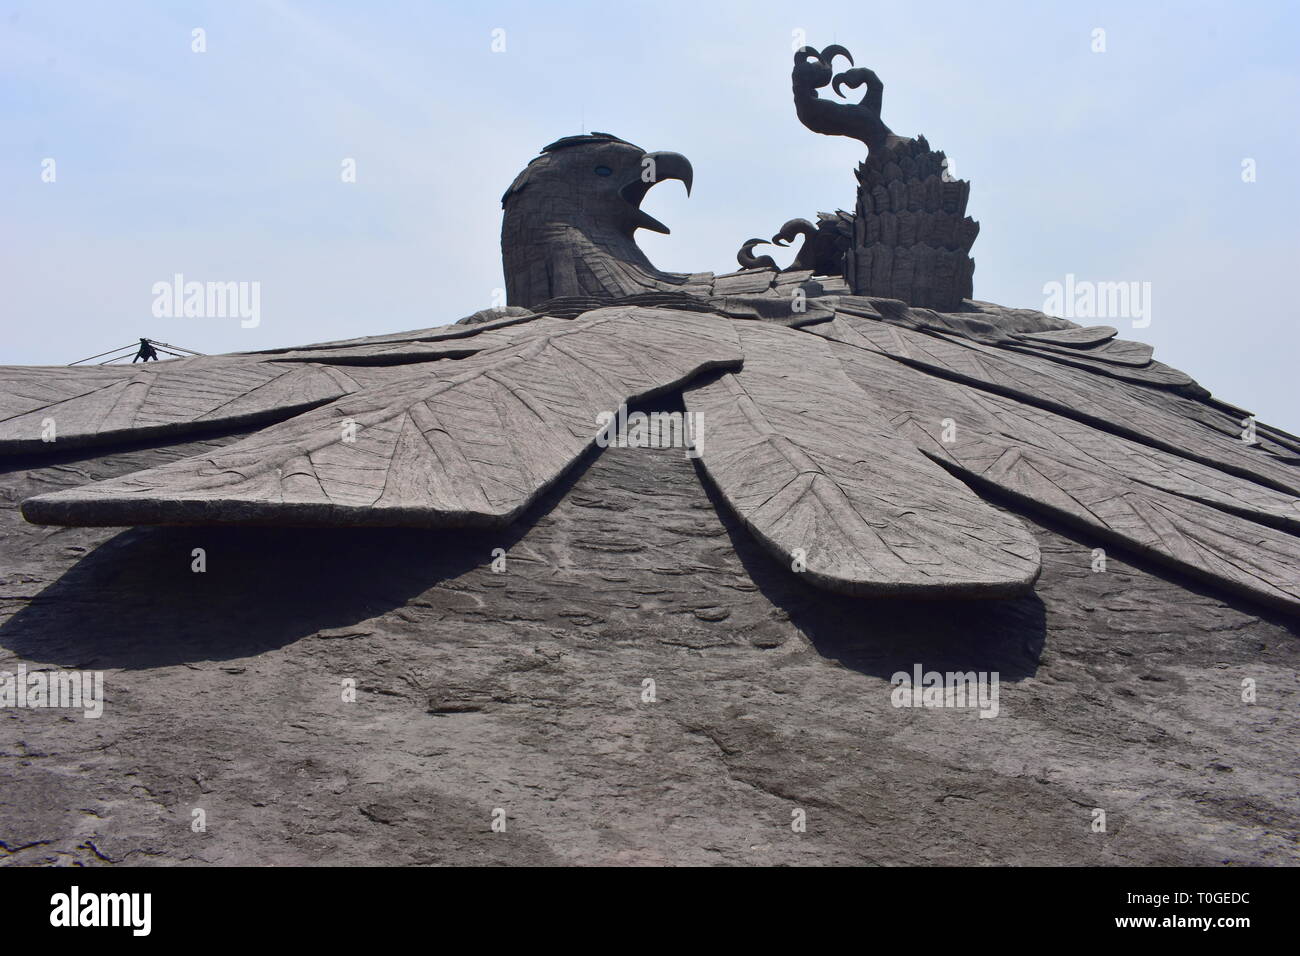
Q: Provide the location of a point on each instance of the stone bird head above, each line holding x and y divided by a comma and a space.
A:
573, 212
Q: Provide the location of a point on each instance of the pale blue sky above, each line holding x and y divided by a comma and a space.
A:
1123, 165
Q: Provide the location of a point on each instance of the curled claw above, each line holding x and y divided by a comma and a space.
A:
748, 260
826, 56
855, 78
811, 72
795, 227
813, 67
798, 227
862, 121
829, 54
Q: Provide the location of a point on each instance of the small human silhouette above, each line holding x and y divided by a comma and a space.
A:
146, 352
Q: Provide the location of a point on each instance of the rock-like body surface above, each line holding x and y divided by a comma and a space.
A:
463, 443
522, 690
911, 235
633, 655
880, 519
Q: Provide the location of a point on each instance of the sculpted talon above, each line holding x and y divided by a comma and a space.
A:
747, 260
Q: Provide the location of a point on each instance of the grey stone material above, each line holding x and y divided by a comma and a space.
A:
814, 71
571, 214
824, 445
747, 260
478, 690
891, 473
909, 237
882, 520
474, 445
470, 424
157, 400
1176, 511
824, 245
912, 237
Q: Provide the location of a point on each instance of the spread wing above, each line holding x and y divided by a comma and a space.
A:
464, 443
1157, 471
852, 442
822, 480
43, 409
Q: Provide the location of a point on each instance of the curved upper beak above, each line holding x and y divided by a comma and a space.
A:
655, 168
669, 166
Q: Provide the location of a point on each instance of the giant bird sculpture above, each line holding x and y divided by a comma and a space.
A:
859, 409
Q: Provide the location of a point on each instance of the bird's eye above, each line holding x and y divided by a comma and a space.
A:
604, 171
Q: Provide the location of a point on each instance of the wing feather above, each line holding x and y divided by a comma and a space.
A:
796, 450
472, 442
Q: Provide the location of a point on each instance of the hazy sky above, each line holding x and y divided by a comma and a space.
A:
1123, 165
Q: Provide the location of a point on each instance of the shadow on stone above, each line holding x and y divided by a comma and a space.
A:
878, 636
134, 602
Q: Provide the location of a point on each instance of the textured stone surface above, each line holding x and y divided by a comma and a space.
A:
1073, 423
1160, 417
909, 237
467, 424
819, 476
1195, 518
522, 690
570, 216
463, 443
98, 406
512, 668
912, 237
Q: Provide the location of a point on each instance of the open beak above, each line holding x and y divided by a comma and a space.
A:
655, 168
